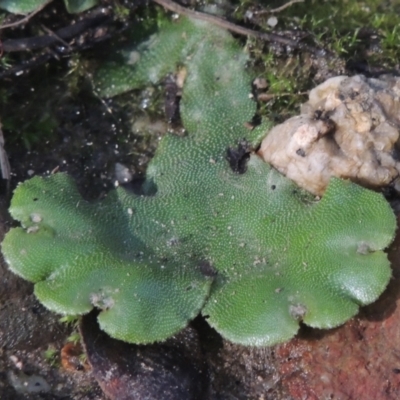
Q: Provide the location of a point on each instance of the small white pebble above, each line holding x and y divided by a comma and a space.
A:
272, 21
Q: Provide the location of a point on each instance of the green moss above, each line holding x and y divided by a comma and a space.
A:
348, 32
51, 356
251, 251
74, 338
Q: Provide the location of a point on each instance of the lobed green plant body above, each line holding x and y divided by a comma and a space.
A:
250, 251
28, 6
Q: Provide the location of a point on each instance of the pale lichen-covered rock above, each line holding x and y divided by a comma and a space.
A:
349, 128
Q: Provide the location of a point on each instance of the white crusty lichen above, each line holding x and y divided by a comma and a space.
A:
349, 128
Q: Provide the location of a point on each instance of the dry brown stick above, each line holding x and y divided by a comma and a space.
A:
279, 9
270, 37
26, 18
269, 96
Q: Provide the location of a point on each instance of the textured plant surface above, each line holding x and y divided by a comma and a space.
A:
251, 251
27, 6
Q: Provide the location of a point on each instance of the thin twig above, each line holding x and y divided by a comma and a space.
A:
269, 96
52, 33
270, 37
38, 42
27, 18
279, 9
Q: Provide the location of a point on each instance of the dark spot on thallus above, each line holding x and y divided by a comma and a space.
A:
35, 199
396, 370
207, 269
273, 187
238, 156
172, 100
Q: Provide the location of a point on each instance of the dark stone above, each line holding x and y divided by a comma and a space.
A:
238, 156
172, 370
